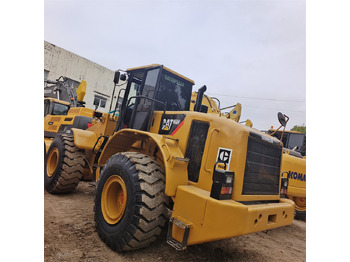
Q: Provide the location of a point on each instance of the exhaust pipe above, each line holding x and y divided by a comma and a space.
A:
198, 105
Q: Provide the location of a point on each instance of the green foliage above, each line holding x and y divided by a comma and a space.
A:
301, 129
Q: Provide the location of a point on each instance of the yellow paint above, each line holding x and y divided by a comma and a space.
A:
171, 157
52, 162
113, 199
296, 186
81, 90
212, 219
84, 139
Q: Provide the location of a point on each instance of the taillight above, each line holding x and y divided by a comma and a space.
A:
222, 183
284, 185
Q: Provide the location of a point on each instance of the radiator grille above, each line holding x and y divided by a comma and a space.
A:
52, 127
262, 170
55, 118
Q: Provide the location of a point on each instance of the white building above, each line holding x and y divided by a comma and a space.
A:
59, 62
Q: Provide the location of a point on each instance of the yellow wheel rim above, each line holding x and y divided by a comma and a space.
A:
52, 162
113, 199
300, 203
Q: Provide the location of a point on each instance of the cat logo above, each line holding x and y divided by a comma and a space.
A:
171, 123
224, 156
167, 123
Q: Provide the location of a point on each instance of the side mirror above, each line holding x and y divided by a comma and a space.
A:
281, 119
123, 77
116, 77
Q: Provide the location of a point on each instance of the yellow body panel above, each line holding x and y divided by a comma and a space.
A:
84, 139
81, 111
47, 142
222, 133
105, 125
57, 120
175, 166
294, 169
81, 90
212, 219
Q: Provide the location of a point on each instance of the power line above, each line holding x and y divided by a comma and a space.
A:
289, 110
256, 98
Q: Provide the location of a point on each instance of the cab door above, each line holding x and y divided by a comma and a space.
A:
143, 108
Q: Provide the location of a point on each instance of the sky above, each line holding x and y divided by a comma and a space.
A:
251, 52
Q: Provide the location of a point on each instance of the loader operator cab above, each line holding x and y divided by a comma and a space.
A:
152, 88
55, 107
292, 140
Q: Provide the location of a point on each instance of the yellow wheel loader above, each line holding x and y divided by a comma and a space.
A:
209, 105
293, 166
64, 109
218, 178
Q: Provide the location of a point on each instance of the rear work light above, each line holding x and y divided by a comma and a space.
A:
284, 185
222, 183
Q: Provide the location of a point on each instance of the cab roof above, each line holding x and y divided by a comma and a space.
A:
168, 69
57, 101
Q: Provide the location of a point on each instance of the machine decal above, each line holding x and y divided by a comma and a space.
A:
174, 81
295, 175
170, 124
224, 156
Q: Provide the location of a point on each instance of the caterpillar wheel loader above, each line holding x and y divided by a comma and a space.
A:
293, 164
218, 178
64, 108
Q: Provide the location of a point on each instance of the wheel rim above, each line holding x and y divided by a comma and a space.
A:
52, 162
300, 203
113, 199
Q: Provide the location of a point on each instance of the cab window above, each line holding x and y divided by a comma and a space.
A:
60, 109
174, 91
46, 107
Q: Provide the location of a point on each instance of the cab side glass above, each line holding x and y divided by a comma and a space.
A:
46, 107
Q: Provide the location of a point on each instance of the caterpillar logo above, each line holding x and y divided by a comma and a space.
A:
168, 123
295, 175
224, 156
171, 123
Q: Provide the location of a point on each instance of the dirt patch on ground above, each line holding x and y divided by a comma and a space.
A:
70, 236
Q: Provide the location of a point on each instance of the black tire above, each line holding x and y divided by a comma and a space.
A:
300, 207
64, 165
146, 204
300, 215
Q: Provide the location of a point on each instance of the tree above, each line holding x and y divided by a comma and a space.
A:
301, 129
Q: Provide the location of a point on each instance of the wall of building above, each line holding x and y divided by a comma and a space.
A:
60, 62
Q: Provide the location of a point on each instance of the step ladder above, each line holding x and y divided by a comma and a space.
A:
173, 242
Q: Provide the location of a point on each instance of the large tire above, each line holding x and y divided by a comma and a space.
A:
300, 208
64, 165
130, 203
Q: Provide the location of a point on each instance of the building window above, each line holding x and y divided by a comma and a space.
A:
46, 74
100, 101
